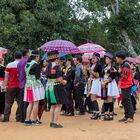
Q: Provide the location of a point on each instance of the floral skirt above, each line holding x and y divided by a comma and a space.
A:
34, 92
55, 93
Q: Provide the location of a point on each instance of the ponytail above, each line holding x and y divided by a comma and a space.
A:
48, 70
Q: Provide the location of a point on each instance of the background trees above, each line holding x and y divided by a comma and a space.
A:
114, 24
122, 25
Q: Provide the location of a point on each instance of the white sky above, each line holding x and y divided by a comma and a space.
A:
81, 12
79, 9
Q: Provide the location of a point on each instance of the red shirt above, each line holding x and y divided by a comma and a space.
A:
13, 77
126, 76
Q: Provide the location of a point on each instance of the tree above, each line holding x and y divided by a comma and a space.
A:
122, 26
30, 23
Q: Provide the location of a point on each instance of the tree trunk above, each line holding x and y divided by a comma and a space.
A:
112, 7
117, 7
128, 43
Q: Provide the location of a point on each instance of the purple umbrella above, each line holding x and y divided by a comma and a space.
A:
61, 46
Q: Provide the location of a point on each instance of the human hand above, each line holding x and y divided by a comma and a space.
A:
119, 70
64, 82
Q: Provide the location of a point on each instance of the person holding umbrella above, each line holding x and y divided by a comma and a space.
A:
55, 93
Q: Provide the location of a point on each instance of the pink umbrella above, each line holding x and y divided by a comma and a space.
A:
90, 55
138, 57
3, 50
61, 46
90, 48
133, 60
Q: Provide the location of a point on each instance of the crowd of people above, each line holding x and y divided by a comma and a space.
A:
67, 86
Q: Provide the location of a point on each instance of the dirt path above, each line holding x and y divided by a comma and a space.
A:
75, 128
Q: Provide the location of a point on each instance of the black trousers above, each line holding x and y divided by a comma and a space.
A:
79, 92
127, 102
23, 106
11, 95
69, 105
2, 102
88, 103
74, 99
134, 102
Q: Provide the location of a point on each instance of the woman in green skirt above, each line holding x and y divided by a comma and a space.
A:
55, 93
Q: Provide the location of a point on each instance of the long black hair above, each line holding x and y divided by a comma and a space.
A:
48, 70
72, 62
31, 58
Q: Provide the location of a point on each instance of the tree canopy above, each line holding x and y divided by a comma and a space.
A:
114, 24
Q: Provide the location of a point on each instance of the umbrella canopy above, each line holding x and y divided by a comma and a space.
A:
3, 50
90, 48
90, 55
138, 57
45, 56
133, 60
61, 46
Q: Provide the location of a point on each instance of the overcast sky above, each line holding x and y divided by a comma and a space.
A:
81, 12
79, 9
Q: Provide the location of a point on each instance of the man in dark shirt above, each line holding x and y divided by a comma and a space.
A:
79, 84
69, 77
125, 83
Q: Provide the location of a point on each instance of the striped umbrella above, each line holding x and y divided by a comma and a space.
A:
3, 50
90, 55
133, 60
90, 48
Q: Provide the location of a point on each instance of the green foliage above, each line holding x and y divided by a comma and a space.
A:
30, 23
128, 19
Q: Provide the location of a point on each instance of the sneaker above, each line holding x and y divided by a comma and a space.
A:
115, 114
102, 117
123, 119
28, 123
51, 124
35, 122
129, 120
96, 116
93, 114
70, 114
39, 122
54, 125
